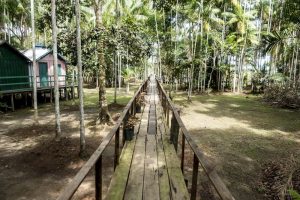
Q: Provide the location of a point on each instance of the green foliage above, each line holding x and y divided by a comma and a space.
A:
294, 194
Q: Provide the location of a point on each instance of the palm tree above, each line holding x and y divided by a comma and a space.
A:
56, 89
33, 60
104, 115
245, 35
80, 82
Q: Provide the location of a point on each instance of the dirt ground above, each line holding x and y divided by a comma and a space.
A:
34, 166
244, 137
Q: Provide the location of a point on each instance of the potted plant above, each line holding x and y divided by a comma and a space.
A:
140, 101
129, 127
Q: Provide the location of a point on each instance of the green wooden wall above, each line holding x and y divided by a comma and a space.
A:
14, 65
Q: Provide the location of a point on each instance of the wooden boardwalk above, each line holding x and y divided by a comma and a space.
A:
149, 167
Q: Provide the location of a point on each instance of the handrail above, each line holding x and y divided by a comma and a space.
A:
14, 83
199, 156
96, 158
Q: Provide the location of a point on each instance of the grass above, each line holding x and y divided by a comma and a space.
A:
241, 134
90, 100
91, 97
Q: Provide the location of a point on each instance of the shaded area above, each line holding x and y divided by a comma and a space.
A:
241, 134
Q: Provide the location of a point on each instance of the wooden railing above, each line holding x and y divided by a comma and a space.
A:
19, 83
199, 157
95, 161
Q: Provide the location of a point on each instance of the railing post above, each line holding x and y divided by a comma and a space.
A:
124, 123
133, 107
117, 146
182, 152
174, 131
194, 178
98, 179
168, 116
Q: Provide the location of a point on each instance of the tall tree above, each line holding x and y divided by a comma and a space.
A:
56, 88
80, 78
104, 115
33, 59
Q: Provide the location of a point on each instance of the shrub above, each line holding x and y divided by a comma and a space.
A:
282, 96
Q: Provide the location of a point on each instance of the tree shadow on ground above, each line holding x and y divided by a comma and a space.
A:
42, 167
241, 135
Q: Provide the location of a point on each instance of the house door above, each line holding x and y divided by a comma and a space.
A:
43, 68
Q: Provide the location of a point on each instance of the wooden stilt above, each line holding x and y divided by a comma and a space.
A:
32, 100
73, 92
12, 102
26, 99
51, 95
66, 94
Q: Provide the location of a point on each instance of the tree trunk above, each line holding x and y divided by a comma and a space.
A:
116, 74
127, 87
234, 75
104, 116
33, 61
80, 82
158, 43
56, 88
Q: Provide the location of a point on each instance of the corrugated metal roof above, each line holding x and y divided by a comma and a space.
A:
40, 53
3, 42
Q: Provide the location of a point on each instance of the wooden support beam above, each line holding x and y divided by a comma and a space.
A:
26, 99
174, 131
12, 102
182, 153
117, 148
124, 124
66, 94
51, 95
98, 179
73, 92
194, 178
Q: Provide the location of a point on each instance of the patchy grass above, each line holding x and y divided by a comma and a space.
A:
241, 133
91, 96
34, 166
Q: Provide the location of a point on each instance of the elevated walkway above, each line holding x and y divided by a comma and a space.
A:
149, 167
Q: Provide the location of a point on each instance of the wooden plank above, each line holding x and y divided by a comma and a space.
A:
152, 120
163, 177
178, 188
206, 164
151, 185
177, 184
77, 180
164, 184
118, 183
134, 188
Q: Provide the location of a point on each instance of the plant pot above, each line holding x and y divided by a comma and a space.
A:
129, 133
138, 108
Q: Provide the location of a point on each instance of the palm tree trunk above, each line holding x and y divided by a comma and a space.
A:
33, 61
116, 77
158, 43
234, 74
56, 89
80, 82
104, 116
